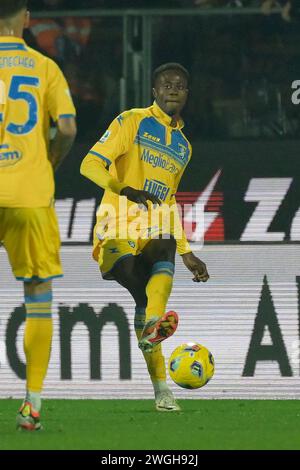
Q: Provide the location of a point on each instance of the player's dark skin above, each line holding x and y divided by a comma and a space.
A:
170, 92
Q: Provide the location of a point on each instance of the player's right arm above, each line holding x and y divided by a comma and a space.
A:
115, 142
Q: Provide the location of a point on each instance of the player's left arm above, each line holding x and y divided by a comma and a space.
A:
196, 266
191, 261
63, 141
61, 108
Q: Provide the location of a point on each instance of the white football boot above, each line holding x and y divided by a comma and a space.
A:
165, 401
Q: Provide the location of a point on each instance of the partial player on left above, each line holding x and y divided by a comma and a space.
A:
32, 90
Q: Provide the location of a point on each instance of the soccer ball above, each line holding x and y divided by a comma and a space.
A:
191, 365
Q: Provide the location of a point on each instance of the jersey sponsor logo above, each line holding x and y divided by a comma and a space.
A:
9, 157
157, 188
151, 137
131, 243
105, 137
158, 161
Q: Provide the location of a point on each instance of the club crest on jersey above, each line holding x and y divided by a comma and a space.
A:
182, 150
105, 137
9, 157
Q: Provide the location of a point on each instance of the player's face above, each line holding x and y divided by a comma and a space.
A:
171, 91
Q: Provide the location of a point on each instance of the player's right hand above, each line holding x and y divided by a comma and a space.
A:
139, 196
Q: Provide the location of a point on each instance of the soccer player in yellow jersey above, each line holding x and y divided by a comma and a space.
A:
33, 89
139, 161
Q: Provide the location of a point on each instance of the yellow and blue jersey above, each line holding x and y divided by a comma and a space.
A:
142, 150
32, 90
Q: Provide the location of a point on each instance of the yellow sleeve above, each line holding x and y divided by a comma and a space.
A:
59, 100
177, 230
117, 139
94, 169
114, 143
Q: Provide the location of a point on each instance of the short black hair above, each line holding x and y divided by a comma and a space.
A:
9, 8
170, 66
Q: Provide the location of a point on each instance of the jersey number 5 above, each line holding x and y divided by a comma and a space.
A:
16, 94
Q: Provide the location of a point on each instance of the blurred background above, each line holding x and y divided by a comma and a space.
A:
243, 57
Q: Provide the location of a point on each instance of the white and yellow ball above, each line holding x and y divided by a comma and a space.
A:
191, 365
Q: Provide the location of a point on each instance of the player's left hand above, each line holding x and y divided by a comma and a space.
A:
196, 266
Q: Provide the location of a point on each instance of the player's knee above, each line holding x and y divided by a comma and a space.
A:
165, 249
126, 275
37, 287
134, 283
137, 289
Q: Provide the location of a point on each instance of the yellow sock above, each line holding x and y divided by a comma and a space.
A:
155, 360
159, 288
37, 339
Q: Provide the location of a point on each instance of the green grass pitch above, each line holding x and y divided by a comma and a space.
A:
134, 424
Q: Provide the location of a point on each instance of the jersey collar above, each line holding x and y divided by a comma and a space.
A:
163, 117
12, 43
13, 39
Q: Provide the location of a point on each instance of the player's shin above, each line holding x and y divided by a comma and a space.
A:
155, 360
159, 288
164, 399
37, 343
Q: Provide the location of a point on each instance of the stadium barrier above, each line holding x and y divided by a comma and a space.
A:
248, 314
